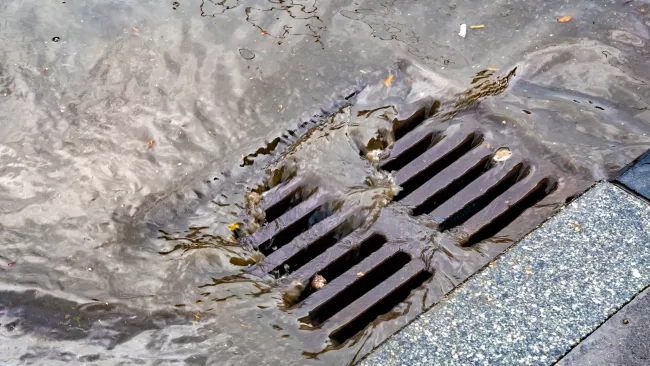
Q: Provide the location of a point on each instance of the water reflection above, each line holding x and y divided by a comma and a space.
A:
279, 19
384, 24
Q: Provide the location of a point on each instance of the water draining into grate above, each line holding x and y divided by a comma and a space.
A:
450, 177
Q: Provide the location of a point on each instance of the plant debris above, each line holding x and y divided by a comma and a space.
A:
564, 19
502, 154
318, 282
150, 143
389, 80
480, 26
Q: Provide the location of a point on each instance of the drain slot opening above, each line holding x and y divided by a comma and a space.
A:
543, 189
403, 127
357, 289
296, 228
433, 202
382, 307
347, 261
316, 248
412, 152
516, 174
422, 177
292, 200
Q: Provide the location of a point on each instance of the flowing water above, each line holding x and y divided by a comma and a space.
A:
132, 134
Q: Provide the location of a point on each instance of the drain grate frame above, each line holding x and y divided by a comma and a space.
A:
385, 275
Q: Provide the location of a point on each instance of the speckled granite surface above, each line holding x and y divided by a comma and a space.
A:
539, 299
624, 339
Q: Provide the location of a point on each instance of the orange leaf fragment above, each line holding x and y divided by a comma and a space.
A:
150, 143
389, 80
564, 19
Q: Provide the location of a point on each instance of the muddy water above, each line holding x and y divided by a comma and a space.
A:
125, 128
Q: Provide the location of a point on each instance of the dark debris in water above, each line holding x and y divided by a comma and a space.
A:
195, 238
246, 53
295, 18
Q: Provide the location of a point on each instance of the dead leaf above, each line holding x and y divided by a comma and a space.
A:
135, 29
480, 26
244, 325
233, 227
389, 80
360, 274
196, 316
502, 154
528, 271
318, 282
564, 19
150, 143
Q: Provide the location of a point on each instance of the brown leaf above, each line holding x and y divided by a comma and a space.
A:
318, 282
564, 19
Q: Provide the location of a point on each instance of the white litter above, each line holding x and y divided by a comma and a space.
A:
463, 30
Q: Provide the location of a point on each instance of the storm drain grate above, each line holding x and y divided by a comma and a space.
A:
459, 179
452, 178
